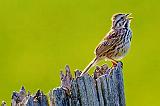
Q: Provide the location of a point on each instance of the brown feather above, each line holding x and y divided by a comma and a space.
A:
109, 41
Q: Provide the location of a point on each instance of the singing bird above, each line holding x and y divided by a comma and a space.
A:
116, 43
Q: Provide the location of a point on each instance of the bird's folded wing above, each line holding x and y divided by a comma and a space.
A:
107, 44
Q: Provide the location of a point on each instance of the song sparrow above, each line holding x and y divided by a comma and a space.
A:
116, 43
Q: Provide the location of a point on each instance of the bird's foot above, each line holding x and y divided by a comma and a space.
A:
114, 63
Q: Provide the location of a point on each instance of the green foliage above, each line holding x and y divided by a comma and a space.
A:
38, 37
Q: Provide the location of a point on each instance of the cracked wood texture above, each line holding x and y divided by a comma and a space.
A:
104, 88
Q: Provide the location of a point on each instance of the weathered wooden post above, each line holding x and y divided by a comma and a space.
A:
104, 88
22, 98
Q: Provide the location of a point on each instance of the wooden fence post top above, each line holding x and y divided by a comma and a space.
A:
104, 88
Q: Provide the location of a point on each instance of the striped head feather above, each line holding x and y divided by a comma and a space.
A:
120, 20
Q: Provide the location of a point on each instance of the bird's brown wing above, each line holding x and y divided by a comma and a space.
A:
107, 43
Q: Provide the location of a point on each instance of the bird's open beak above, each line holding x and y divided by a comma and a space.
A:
127, 16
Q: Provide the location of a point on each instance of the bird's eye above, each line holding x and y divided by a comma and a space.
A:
122, 18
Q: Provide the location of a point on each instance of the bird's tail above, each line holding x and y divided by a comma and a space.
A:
90, 65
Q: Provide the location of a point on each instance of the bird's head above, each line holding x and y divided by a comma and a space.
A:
120, 20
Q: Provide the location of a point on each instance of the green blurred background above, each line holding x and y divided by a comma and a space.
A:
38, 37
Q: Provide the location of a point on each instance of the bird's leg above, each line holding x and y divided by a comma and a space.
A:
114, 62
